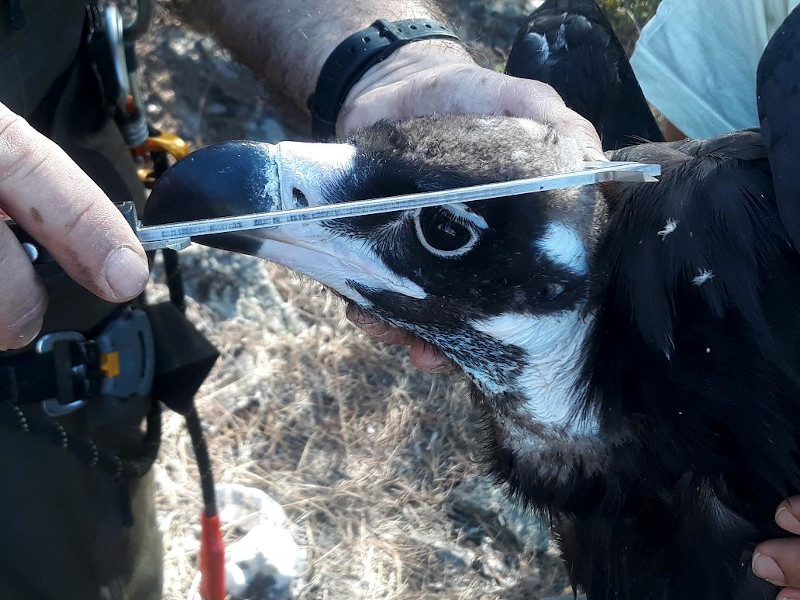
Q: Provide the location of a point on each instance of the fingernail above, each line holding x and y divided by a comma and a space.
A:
787, 520
30, 333
768, 569
126, 273
790, 595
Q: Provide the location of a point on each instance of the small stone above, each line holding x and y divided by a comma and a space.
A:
267, 562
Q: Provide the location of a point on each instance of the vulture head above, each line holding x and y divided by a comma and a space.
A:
500, 286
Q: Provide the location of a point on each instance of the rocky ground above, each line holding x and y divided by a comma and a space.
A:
372, 461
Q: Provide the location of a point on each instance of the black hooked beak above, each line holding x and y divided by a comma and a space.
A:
228, 179
240, 178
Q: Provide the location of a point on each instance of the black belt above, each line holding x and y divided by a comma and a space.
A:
64, 370
151, 353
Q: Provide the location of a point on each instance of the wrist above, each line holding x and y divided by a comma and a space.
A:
408, 60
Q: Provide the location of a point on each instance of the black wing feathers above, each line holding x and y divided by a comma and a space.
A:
778, 86
704, 299
709, 227
695, 341
694, 355
570, 45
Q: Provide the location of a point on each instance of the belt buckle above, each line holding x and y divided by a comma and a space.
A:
52, 406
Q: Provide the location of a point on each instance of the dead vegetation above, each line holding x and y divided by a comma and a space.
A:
358, 447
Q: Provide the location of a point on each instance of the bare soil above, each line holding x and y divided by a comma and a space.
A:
360, 448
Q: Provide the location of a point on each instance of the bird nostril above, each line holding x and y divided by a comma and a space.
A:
299, 197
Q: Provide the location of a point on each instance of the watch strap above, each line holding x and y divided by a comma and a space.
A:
353, 57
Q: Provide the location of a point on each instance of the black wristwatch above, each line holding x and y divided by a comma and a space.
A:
353, 57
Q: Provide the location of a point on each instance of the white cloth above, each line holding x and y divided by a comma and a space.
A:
696, 61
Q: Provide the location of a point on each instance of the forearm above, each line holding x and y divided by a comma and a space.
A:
286, 43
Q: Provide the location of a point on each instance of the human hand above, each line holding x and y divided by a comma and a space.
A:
55, 202
437, 76
423, 356
778, 561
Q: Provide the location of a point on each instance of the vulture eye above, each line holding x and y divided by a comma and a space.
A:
443, 232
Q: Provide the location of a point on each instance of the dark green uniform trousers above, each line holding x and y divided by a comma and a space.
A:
61, 524
66, 530
63, 533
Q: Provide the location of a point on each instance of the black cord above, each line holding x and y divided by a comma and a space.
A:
203, 462
174, 273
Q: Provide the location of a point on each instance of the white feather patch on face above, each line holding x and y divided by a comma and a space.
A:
563, 246
548, 382
332, 260
312, 169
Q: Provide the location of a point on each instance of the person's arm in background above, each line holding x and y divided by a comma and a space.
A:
286, 44
778, 561
697, 64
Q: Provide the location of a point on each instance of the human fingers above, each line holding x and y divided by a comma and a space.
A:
422, 355
50, 197
788, 514
459, 88
427, 358
22, 296
378, 329
778, 561
788, 593
539, 101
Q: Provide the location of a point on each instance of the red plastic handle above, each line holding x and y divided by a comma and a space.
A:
212, 560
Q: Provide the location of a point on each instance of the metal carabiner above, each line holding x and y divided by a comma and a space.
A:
140, 25
52, 407
116, 64
116, 51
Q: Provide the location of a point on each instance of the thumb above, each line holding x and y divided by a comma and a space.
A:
54, 201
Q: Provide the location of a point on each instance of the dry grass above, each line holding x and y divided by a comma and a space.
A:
359, 448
